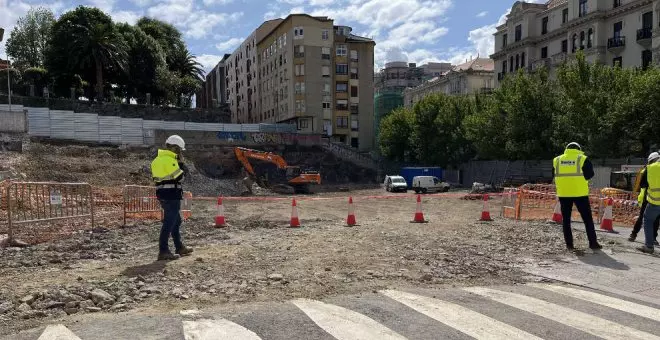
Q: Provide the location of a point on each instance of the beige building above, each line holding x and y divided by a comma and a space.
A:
306, 71
624, 32
474, 76
399, 75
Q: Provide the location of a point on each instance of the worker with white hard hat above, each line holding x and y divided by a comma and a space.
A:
650, 183
642, 202
167, 171
572, 172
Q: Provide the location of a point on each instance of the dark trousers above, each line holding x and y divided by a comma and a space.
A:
171, 225
584, 208
640, 219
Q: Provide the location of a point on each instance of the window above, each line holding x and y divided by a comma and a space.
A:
544, 52
327, 126
342, 104
504, 66
354, 73
544, 25
354, 91
341, 50
590, 38
325, 71
647, 20
300, 70
298, 33
341, 87
300, 88
647, 58
564, 16
325, 53
617, 29
616, 4
324, 34
299, 51
284, 39
511, 64
583, 8
341, 69
354, 55
300, 106
564, 46
574, 46
342, 122
518, 36
517, 61
505, 37
303, 124
355, 123
522, 60
582, 40
355, 142
326, 105
618, 61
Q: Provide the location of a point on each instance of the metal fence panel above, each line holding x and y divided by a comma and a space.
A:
14, 108
39, 121
140, 202
110, 129
87, 127
62, 124
131, 131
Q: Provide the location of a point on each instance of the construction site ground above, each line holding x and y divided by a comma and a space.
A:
257, 258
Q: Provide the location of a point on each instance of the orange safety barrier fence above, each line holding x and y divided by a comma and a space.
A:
33, 209
140, 202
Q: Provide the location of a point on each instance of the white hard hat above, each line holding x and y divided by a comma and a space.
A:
653, 157
574, 144
176, 140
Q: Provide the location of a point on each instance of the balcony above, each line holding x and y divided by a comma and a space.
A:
299, 55
559, 58
644, 35
537, 64
486, 90
616, 43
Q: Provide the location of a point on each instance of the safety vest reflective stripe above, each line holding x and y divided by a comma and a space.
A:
578, 168
652, 196
169, 177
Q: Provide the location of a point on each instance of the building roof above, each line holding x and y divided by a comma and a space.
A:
266, 34
477, 64
555, 3
357, 38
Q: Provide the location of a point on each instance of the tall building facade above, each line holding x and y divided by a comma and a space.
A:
214, 89
611, 32
474, 76
306, 71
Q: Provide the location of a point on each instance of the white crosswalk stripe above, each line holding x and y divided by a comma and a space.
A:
345, 324
622, 305
218, 329
458, 317
57, 332
585, 322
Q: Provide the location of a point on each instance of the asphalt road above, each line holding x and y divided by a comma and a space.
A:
532, 311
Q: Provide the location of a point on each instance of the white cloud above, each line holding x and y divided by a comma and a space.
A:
482, 14
229, 45
217, 2
208, 61
193, 22
141, 3
128, 17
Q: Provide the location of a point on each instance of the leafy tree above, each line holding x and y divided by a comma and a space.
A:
27, 42
37, 77
486, 127
186, 65
168, 37
395, 130
15, 80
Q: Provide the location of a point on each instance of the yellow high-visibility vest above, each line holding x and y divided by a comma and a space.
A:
165, 167
569, 178
653, 176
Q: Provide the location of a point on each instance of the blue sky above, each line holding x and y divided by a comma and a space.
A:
408, 30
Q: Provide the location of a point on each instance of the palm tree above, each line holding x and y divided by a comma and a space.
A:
185, 64
101, 46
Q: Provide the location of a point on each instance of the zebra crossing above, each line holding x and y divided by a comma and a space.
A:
531, 311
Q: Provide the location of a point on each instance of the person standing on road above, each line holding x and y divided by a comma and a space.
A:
167, 171
572, 172
641, 200
651, 182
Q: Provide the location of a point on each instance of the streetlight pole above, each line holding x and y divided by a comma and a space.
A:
2, 33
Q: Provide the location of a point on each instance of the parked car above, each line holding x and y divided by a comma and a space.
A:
395, 183
426, 184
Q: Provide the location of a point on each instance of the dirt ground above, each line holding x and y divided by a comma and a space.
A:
258, 258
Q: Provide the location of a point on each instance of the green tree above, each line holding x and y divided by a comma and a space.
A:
168, 37
186, 65
486, 127
394, 137
27, 42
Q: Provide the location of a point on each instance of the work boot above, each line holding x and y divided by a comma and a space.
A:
633, 237
655, 243
184, 251
645, 249
167, 256
596, 246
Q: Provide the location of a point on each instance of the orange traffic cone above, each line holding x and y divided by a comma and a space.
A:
556, 214
295, 222
350, 220
485, 213
419, 215
606, 223
220, 215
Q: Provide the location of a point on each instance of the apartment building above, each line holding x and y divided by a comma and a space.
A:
318, 76
612, 32
474, 76
399, 75
214, 88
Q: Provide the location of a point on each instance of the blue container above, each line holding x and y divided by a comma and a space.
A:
409, 173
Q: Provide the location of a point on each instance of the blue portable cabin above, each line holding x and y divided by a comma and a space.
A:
408, 173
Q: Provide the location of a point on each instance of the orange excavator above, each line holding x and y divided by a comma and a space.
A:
271, 171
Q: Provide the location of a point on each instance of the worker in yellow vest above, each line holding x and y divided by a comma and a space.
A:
572, 172
167, 171
651, 182
642, 202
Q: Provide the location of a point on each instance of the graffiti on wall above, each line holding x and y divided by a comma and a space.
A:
268, 138
346, 153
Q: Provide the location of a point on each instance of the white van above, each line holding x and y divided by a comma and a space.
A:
425, 184
395, 183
